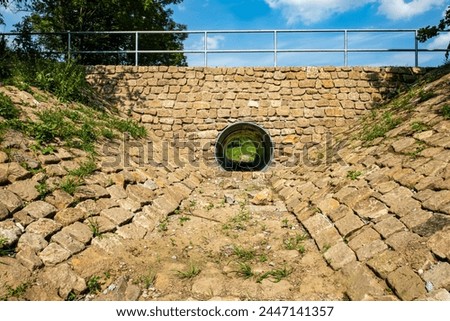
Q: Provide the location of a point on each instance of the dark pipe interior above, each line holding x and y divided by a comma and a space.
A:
244, 147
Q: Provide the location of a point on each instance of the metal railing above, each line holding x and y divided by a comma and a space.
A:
275, 49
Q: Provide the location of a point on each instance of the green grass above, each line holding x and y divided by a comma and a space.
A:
446, 111
16, 292
190, 273
295, 243
419, 126
43, 189
94, 227
243, 254
354, 175
69, 185
5, 249
245, 270
239, 221
375, 127
85, 169
275, 275
420, 147
183, 219
241, 149
93, 284
148, 279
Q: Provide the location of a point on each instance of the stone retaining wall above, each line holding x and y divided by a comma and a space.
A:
295, 104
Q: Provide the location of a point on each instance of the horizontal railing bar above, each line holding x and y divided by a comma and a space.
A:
252, 51
273, 50
217, 31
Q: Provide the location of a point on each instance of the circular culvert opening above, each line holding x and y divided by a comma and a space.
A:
245, 147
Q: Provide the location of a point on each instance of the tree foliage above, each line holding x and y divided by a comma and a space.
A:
50, 16
432, 31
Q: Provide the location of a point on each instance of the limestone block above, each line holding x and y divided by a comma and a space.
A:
439, 276
54, 254
68, 216
26, 190
339, 255
10, 200
117, 215
406, 283
44, 227
389, 226
348, 224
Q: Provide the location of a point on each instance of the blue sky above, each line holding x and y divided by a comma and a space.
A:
307, 15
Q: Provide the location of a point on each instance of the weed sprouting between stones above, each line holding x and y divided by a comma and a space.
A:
190, 273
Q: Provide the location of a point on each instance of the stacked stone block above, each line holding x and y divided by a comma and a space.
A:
297, 105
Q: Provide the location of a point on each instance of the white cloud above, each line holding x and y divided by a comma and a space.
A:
401, 9
440, 42
214, 42
312, 11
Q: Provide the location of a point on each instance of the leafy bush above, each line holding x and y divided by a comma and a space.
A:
66, 80
7, 108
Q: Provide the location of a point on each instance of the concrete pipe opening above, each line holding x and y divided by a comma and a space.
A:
244, 147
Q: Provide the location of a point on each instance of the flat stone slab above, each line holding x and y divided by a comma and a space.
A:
140, 194
15, 172
28, 258
9, 231
131, 231
367, 236
91, 192
32, 240
64, 280
40, 209
26, 190
371, 209
79, 231
439, 276
10, 200
68, 242
434, 224
361, 283
370, 250
339, 255
437, 201
69, 215
164, 205
406, 283
315, 224
403, 144
44, 227
389, 226
439, 244
401, 201
348, 224
117, 215
386, 262
54, 254
117, 192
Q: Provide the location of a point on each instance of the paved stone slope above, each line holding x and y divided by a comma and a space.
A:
382, 215
374, 226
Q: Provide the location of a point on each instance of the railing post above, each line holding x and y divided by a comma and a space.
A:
345, 47
416, 48
275, 47
69, 48
136, 49
205, 47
